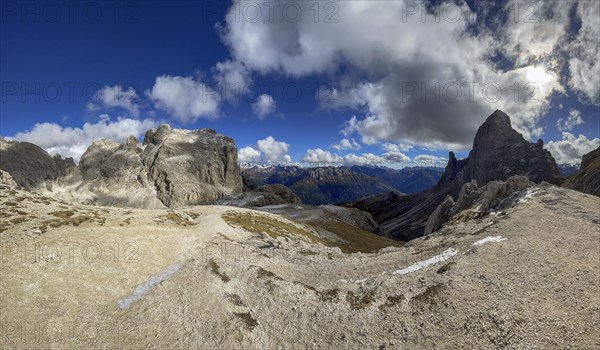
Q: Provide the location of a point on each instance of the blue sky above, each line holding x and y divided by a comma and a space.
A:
124, 66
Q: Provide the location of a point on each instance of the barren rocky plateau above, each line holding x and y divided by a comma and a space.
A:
206, 277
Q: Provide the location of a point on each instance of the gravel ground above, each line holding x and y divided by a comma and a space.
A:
110, 278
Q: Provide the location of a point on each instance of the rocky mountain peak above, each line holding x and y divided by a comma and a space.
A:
156, 136
132, 141
500, 152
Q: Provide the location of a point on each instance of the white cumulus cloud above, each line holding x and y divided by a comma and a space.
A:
264, 106
266, 151
322, 157
115, 97
232, 79
185, 98
248, 155
429, 160
318, 156
570, 149
572, 120
346, 144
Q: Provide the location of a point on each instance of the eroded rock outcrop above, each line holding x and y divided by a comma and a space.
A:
262, 196
178, 167
6, 179
494, 195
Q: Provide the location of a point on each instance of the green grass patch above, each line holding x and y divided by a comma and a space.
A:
356, 239
176, 219
257, 223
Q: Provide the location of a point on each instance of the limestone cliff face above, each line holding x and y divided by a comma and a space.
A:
191, 167
173, 168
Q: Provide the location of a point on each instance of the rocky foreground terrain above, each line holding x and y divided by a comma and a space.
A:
203, 277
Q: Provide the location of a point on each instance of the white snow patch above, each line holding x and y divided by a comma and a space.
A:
489, 240
447, 254
361, 281
528, 195
143, 288
274, 206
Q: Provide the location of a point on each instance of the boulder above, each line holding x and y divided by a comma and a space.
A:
6, 179
494, 195
468, 194
440, 215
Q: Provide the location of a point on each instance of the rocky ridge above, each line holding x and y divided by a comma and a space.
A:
173, 168
498, 153
30, 166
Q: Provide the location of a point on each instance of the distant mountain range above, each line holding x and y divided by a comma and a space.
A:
330, 185
567, 169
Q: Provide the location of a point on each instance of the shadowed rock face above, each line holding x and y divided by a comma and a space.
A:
30, 166
498, 153
587, 179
